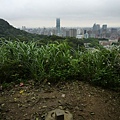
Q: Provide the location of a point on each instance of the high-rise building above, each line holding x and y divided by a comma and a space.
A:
58, 26
96, 30
96, 27
104, 31
72, 32
104, 27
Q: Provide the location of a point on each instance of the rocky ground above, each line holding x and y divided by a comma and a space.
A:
85, 102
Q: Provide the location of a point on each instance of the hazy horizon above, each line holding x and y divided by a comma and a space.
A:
77, 13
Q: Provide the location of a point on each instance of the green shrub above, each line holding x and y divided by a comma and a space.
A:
11, 71
58, 61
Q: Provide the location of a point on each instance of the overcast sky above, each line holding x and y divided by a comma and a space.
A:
73, 13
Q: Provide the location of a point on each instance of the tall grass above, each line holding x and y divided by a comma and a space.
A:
101, 67
58, 61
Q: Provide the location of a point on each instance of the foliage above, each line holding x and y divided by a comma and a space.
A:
59, 61
93, 42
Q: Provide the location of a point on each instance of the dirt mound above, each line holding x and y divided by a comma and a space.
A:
85, 102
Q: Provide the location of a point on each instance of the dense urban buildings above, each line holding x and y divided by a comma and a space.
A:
97, 31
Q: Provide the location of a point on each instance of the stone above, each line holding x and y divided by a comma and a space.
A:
63, 95
58, 114
92, 113
33, 98
2, 105
44, 106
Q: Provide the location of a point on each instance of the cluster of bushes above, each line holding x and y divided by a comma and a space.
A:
59, 61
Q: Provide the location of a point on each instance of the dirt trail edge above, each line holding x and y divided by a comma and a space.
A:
85, 102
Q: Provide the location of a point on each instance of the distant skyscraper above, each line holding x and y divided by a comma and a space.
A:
104, 31
72, 32
96, 27
58, 26
96, 30
104, 27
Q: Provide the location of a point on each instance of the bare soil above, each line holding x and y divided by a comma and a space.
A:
33, 102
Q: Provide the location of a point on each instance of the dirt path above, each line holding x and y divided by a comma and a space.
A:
85, 102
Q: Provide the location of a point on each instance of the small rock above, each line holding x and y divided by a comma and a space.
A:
76, 108
48, 83
44, 106
60, 107
92, 113
2, 105
63, 95
33, 98
89, 95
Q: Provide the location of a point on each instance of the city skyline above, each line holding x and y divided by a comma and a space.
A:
77, 13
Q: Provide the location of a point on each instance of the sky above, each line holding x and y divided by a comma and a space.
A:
72, 13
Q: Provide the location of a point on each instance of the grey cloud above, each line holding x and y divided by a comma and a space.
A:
44, 10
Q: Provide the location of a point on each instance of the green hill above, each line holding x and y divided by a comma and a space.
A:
11, 33
7, 31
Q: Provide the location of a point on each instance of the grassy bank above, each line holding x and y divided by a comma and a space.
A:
58, 61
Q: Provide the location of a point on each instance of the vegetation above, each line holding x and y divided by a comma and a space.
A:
9, 32
59, 61
28, 56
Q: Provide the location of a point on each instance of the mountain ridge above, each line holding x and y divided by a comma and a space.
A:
8, 31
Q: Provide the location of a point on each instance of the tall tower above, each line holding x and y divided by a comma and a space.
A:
58, 26
104, 28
